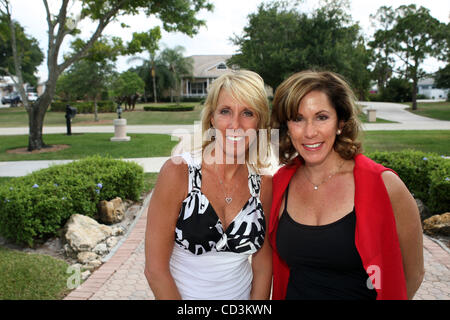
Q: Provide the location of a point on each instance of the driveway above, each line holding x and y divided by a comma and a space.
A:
406, 120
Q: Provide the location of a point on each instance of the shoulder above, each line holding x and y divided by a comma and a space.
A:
285, 172
364, 163
173, 176
394, 185
174, 168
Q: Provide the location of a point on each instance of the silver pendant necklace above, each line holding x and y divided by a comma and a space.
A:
316, 186
228, 198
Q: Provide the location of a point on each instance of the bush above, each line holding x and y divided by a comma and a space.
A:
84, 107
37, 205
427, 175
169, 108
439, 194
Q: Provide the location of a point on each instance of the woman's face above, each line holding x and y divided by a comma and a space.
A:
236, 126
313, 131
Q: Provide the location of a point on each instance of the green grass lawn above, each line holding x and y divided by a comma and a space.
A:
435, 110
86, 144
18, 117
437, 141
25, 276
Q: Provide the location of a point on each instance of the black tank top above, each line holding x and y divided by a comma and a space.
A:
323, 260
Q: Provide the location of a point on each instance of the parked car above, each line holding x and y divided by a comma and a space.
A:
13, 99
32, 96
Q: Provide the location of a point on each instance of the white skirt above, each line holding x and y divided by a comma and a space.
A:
212, 275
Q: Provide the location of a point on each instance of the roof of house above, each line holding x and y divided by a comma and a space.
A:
205, 66
426, 82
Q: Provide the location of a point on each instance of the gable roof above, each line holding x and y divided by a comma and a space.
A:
205, 66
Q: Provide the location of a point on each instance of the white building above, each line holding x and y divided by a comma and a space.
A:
427, 88
206, 68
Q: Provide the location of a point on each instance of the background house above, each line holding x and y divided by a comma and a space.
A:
427, 88
206, 69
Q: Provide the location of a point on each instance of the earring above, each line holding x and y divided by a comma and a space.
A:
338, 132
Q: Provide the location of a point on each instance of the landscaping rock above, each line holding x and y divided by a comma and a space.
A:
84, 233
85, 275
423, 210
111, 212
438, 224
101, 249
111, 242
86, 257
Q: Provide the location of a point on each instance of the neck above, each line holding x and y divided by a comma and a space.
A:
225, 169
318, 172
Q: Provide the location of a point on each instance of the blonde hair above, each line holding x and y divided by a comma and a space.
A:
246, 87
287, 100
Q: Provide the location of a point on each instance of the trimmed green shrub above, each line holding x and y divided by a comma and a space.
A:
439, 194
169, 108
38, 205
84, 107
426, 175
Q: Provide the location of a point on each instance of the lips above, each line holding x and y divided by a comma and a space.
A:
313, 146
235, 138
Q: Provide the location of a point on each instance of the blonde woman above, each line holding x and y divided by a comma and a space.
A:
208, 216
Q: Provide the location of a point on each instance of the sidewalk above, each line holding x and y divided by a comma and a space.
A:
122, 277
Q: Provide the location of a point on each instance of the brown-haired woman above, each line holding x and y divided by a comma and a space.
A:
341, 225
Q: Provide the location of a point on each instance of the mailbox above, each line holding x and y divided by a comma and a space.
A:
70, 114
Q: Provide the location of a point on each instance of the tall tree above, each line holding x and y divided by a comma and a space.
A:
382, 46
175, 15
279, 40
26, 50
147, 41
89, 77
178, 65
415, 37
443, 74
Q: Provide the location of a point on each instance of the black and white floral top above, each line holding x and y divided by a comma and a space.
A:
199, 229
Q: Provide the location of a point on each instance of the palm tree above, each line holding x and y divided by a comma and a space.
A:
151, 62
178, 65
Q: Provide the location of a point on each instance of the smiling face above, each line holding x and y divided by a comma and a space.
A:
313, 130
236, 124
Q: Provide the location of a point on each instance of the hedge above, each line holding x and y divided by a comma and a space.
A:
36, 206
427, 175
169, 108
84, 107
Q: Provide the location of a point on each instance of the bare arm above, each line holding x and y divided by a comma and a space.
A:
169, 192
262, 260
409, 230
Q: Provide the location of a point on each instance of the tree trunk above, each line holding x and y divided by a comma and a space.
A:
35, 122
95, 109
154, 82
414, 93
36, 114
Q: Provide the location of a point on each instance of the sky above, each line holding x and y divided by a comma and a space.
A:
228, 19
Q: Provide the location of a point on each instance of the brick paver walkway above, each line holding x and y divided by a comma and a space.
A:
122, 277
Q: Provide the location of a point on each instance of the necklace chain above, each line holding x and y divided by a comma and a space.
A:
316, 186
228, 199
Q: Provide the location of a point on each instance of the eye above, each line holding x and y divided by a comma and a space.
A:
322, 117
248, 113
224, 111
298, 118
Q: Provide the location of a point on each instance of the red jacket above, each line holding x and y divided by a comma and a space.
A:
375, 237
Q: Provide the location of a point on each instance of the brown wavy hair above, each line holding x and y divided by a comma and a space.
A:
287, 100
